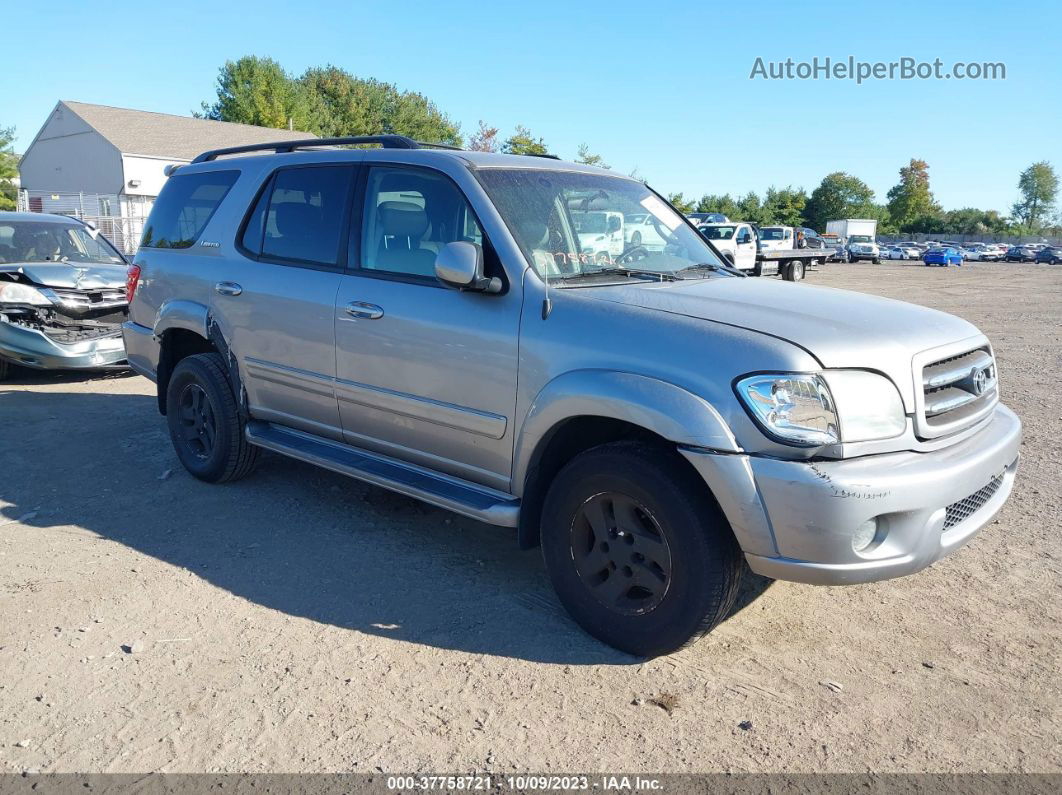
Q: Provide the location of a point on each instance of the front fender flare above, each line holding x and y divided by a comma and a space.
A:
658, 406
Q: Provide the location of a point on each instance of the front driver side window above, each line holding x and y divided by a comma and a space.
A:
410, 214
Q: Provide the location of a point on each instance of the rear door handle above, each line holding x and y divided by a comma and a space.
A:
364, 310
227, 288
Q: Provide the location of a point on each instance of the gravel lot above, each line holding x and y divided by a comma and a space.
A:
299, 621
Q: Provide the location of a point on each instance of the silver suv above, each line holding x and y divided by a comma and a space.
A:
440, 323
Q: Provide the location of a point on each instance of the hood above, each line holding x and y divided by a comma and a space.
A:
839, 328
71, 275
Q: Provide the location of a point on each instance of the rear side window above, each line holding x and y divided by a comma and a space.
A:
184, 207
300, 216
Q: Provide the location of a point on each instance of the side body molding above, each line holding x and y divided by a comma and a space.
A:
188, 315
663, 408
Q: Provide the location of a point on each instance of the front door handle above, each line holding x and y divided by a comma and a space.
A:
364, 310
227, 288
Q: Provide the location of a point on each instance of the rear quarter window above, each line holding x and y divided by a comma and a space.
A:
184, 208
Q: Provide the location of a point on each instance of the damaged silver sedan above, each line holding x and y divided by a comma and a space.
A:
62, 295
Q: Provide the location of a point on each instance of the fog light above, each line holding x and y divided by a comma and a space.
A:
865, 534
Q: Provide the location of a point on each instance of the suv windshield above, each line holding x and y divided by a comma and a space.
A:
42, 241
546, 211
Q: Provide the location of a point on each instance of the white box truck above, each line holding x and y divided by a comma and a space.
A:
859, 236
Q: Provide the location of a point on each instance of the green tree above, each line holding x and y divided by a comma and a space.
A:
255, 90
750, 210
839, 195
1038, 186
8, 169
785, 207
341, 104
586, 157
522, 142
911, 197
680, 203
724, 204
485, 139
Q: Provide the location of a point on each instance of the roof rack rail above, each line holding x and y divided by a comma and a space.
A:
542, 154
386, 141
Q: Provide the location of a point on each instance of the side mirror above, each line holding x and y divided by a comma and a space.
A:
460, 265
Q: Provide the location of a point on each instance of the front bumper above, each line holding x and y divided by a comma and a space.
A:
31, 348
796, 520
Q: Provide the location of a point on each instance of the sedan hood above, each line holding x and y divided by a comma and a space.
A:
839, 328
71, 275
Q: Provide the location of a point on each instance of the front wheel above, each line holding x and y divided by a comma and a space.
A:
876, 260
205, 424
637, 550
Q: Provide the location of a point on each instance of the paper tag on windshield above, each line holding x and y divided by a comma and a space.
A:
661, 212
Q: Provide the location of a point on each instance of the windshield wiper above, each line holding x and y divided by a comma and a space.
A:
663, 276
712, 267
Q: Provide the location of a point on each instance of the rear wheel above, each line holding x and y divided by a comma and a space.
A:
637, 550
793, 271
205, 425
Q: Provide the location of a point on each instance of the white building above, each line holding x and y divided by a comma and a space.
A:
105, 164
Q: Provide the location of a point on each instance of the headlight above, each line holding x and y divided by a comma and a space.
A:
15, 293
811, 410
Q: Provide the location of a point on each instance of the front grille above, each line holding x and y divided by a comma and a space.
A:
103, 298
957, 392
962, 510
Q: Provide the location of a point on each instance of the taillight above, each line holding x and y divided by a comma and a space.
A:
132, 279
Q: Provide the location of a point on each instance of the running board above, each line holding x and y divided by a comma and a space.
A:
444, 491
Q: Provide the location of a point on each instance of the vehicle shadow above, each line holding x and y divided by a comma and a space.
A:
291, 537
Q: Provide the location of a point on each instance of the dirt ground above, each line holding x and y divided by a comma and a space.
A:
300, 621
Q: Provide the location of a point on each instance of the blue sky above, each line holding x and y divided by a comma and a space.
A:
659, 86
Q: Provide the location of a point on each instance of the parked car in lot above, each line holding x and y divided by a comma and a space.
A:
892, 252
942, 255
644, 229
655, 423
62, 295
707, 218
1020, 254
1051, 255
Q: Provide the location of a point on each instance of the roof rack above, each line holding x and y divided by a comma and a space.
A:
385, 141
542, 154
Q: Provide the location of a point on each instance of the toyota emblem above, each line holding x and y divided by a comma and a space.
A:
980, 381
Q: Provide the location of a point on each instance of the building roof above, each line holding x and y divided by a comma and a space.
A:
141, 132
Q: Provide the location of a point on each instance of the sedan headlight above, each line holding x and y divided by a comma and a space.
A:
15, 293
816, 409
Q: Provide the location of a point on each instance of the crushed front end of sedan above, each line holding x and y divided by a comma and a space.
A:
62, 295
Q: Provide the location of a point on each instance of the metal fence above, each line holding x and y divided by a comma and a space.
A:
120, 218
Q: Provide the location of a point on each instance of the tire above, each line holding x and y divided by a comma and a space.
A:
876, 260
205, 425
795, 271
670, 580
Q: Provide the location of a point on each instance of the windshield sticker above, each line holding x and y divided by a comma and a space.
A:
661, 212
